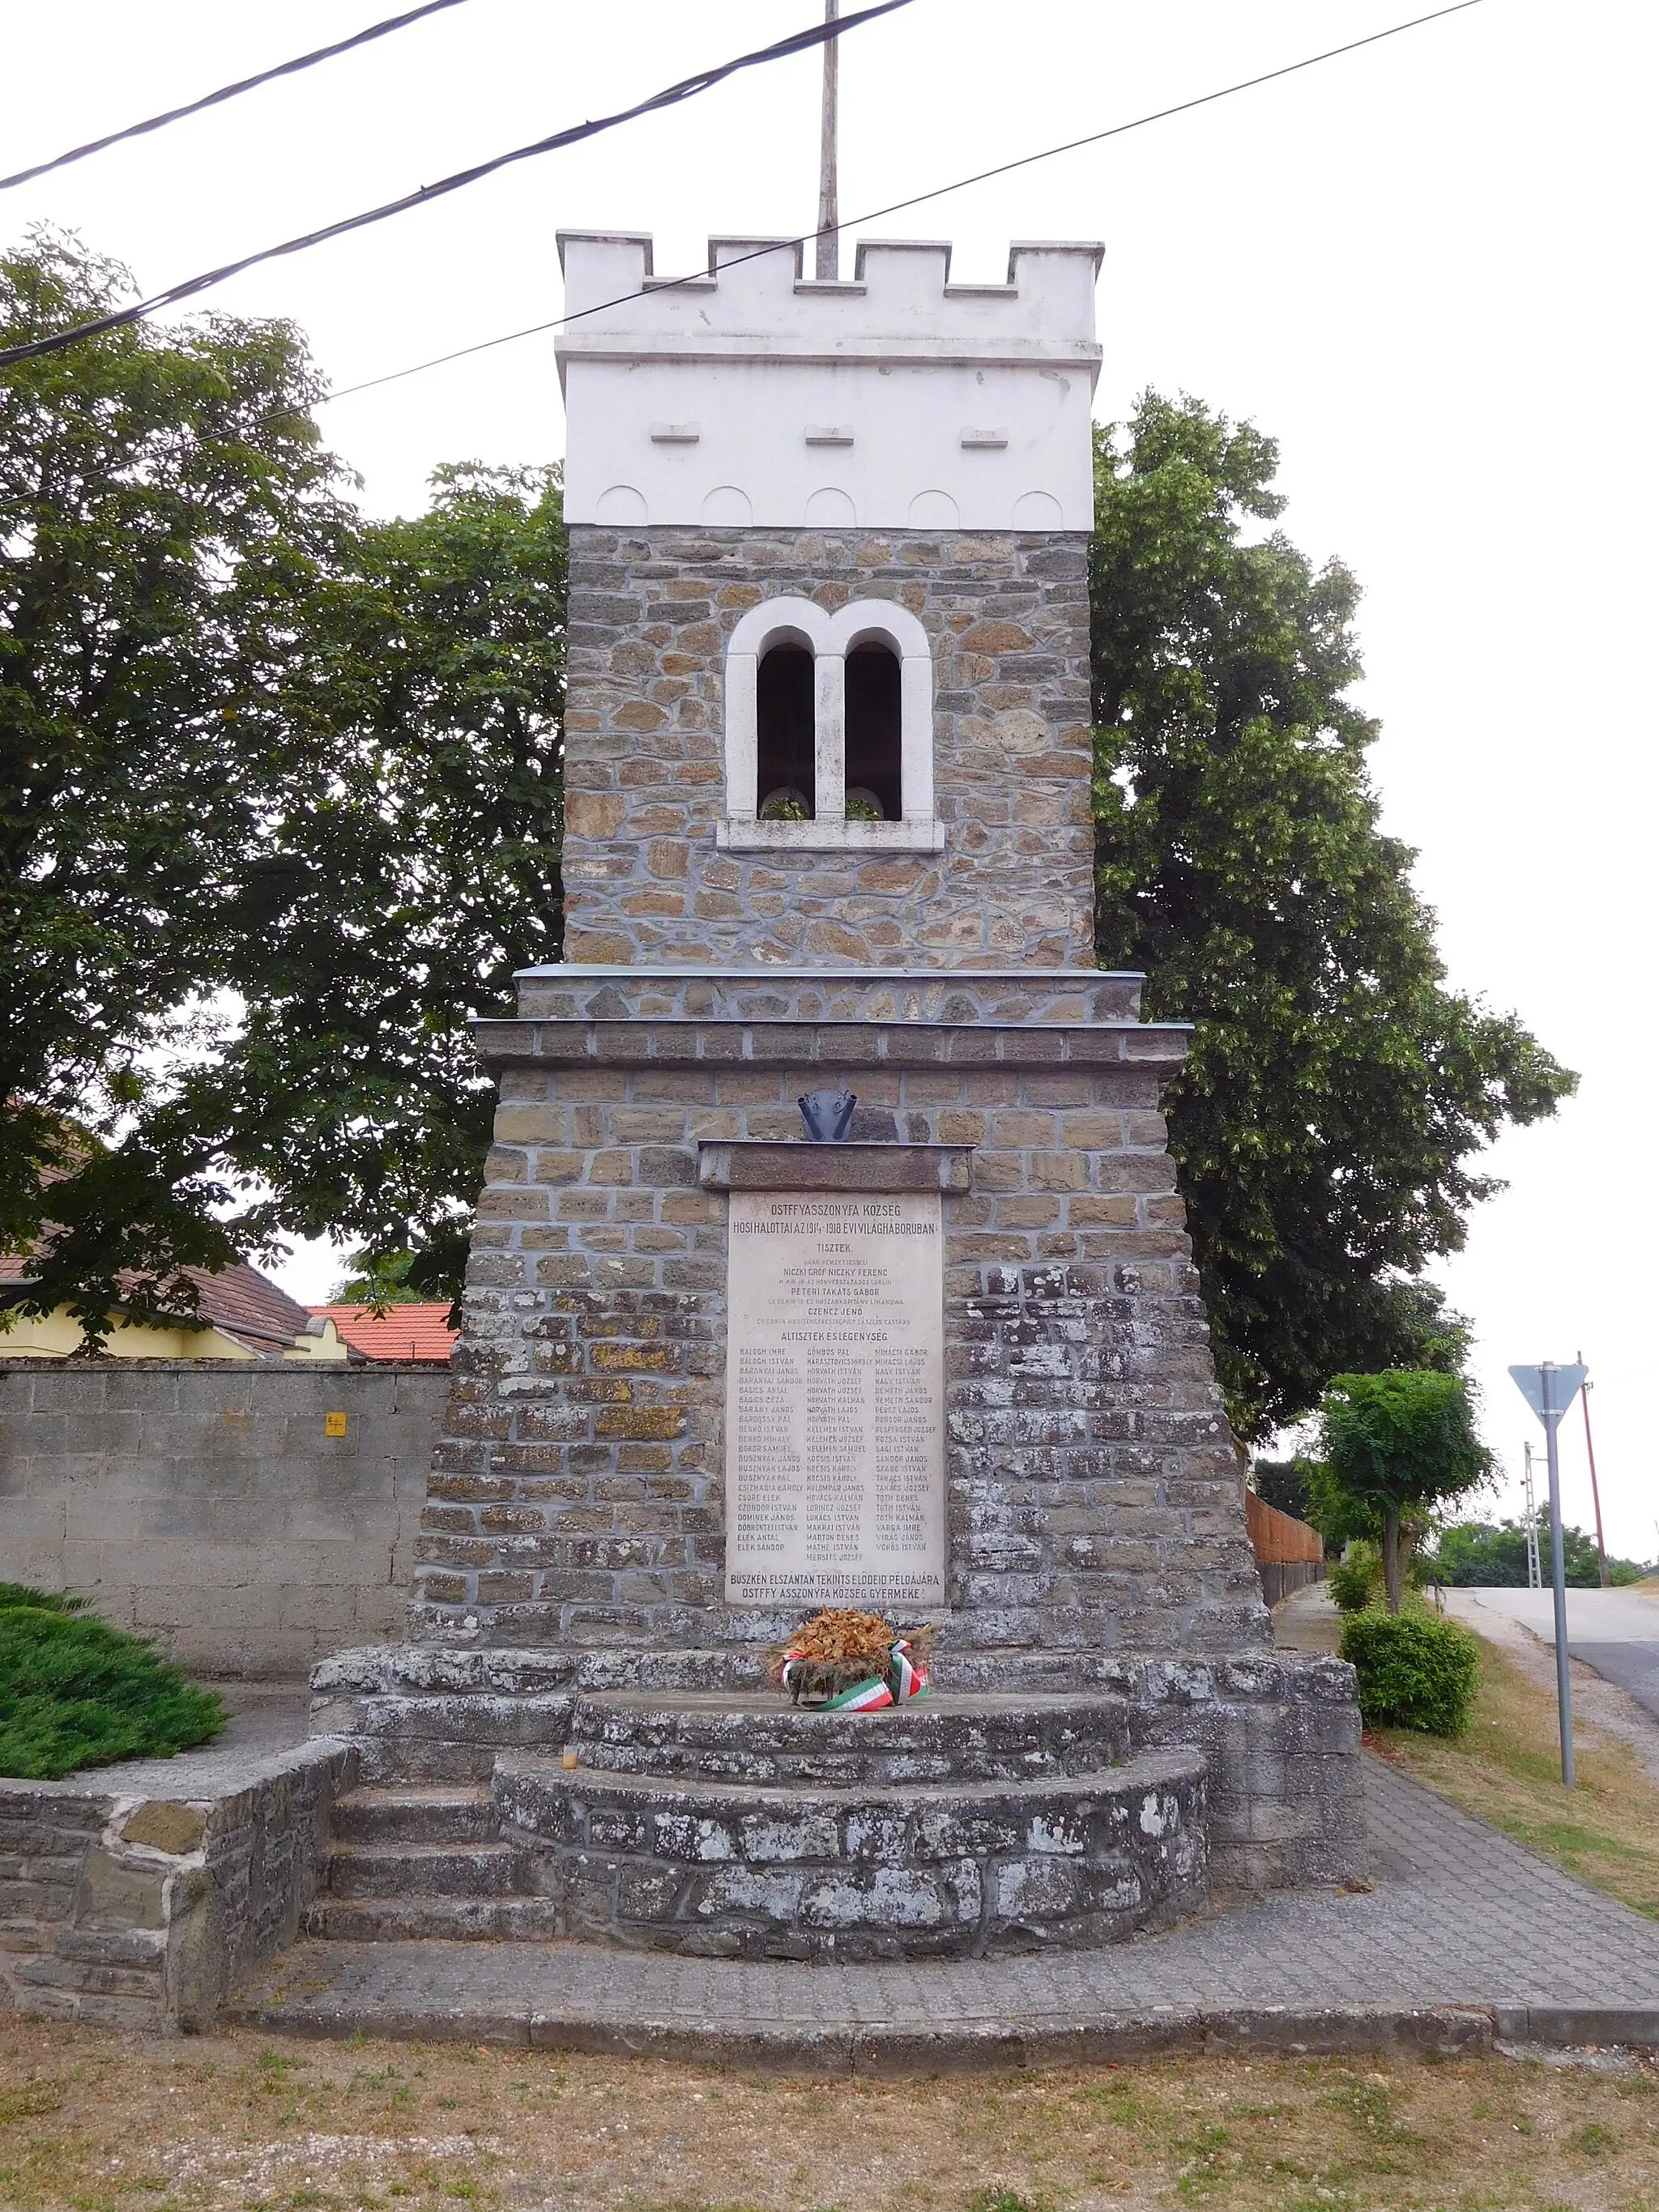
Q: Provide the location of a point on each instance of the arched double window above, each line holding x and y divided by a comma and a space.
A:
830, 729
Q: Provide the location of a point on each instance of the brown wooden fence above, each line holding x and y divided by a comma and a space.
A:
1288, 1552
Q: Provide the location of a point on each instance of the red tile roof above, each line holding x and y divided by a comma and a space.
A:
248, 1305
239, 1301
403, 1332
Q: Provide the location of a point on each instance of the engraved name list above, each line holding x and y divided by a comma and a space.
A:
835, 1402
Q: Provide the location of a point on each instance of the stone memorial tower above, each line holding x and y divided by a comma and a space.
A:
829, 829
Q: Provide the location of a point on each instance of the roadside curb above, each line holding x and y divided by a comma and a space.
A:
872, 2048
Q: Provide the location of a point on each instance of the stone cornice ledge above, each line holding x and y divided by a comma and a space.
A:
746, 1164
651, 1041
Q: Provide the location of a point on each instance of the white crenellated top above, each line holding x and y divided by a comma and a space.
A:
898, 400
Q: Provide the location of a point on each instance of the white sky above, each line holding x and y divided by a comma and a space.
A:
1426, 268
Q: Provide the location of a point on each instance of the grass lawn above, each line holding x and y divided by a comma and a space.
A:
92, 2122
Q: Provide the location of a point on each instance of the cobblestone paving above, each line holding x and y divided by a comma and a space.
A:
1459, 1917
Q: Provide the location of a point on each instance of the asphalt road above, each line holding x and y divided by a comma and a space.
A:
1616, 1631
1633, 1667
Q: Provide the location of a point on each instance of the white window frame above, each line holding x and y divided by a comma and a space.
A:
829, 638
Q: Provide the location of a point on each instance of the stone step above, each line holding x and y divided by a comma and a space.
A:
418, 1815
425, 1870
764, 1738
531, 1791
716, 1867
454, 1919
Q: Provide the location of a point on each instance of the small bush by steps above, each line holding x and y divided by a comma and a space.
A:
1415, 1670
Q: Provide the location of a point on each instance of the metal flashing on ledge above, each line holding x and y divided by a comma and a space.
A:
877, 1169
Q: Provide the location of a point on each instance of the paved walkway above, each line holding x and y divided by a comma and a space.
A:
1461, 1920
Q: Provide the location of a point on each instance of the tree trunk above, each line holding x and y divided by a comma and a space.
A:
1391, 1555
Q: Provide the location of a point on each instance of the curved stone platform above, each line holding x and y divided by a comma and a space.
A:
760, 1737
712, 1867
1278, 1733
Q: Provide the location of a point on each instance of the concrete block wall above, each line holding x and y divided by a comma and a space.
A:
203, 1504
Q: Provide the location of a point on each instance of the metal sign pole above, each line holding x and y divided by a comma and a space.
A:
1559, 1574
1549, 1390
1596, 1487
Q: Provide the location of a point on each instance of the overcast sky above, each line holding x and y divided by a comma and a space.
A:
1426, 268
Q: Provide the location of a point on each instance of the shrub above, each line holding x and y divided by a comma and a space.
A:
1415, 1670
48, 1601
1356, 1580
74, 1692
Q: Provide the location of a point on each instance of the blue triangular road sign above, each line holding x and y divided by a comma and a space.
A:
1564, 1389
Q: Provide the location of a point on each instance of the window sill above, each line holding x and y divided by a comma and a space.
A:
752, 836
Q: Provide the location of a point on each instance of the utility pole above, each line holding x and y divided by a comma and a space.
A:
826, 252
1595, 1493
1535, 1570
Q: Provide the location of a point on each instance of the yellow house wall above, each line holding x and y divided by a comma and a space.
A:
56, 1335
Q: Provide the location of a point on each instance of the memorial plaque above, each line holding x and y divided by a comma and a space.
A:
835, 1402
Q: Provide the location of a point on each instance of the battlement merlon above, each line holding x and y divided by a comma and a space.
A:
749, 395
900, 304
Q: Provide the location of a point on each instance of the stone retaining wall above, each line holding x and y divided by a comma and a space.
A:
204, 1503
127, 1908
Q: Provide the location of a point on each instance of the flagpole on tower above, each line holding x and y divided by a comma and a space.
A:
827, 249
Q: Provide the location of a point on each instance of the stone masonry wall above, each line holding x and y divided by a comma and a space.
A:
577, 1492
1007, 618
201, 1502
126, 1907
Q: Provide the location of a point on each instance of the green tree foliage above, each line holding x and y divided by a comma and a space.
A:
1488, 1554
1336, 1090
280, 804
1391, 1443
162, 502
1282, 1483
412, 878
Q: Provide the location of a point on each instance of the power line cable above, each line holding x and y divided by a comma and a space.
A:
897, 207
799, 42
230, 92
